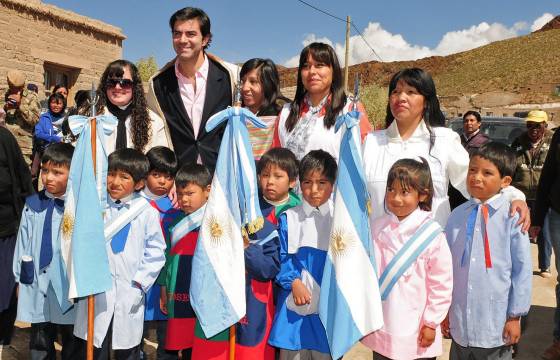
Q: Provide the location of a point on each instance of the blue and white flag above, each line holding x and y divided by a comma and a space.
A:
218, 269
82, 236
350, 304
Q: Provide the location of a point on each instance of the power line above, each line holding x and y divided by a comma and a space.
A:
343, 20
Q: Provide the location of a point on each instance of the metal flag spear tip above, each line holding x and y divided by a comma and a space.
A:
356, 98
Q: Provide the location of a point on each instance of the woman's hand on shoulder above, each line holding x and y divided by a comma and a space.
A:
520, 207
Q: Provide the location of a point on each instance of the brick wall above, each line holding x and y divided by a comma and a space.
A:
32, 33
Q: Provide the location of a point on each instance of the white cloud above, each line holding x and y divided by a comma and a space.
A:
393, 47
541, 21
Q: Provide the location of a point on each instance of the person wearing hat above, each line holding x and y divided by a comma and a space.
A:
531, 148
21, 105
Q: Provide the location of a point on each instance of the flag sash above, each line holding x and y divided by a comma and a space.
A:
186, 225
116, 224
407, 255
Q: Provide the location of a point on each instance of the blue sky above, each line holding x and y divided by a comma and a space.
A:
397, 30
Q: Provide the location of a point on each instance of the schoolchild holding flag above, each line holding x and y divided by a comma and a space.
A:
136, 251
414, 267
304, 239
193, 187
160, 180
38, 267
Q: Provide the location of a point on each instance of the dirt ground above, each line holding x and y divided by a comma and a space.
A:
536, 337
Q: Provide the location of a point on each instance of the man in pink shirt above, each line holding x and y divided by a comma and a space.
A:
191, 88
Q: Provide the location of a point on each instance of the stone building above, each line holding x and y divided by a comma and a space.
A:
54, 46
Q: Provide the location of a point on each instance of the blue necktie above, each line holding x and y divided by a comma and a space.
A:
119, 239
471, 221
46, 253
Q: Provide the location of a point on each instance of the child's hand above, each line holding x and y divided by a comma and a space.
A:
163, 300
426, 336
534, 231
512, 331
445, 327
301, 295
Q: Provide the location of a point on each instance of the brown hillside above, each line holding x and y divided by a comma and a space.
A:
528, 65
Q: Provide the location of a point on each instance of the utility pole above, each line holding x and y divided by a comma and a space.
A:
346, 53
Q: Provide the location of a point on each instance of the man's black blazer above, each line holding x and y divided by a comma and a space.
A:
218, 97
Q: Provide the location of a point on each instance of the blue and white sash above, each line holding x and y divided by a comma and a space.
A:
186, 225
137, 205
407, 255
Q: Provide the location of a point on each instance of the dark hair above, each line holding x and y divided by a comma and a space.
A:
423, 82
58, 154
162, 159
501, 155
281, 157
270, 82
322, 53
476, 114
318, 160
140, 123
190, 13
59, 86
57, 97
193, 174
413, 174
130, 161
33, 87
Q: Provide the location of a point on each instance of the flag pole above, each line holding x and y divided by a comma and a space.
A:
232, 334
91, 299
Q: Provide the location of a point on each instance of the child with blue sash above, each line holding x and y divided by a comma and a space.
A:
136, 252
492, 266
304, 239
160, 180
414, 267
193, 187
38, 266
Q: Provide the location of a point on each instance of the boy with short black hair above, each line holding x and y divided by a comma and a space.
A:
304, 239
277, 173
160, 181
136, 252
193, 188
38, 268
491, 262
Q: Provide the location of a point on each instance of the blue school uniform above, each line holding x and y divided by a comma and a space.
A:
167, 214
45, 299
484, 297
304, 233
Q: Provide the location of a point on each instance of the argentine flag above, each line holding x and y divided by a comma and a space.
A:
82, 233
350, 304
217, 289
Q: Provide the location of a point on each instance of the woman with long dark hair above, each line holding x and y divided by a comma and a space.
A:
260, 92
121, 93
415, 127
308, 123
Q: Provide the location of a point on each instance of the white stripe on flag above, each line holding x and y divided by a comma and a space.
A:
245, 162
433, 227
361, 290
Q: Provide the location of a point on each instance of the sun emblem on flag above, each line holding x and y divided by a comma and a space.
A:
340, 242
216, 230
67, 226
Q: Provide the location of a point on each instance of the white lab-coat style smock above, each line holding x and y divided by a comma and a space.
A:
448, 162
140, 261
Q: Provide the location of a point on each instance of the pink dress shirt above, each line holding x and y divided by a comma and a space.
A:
193, 100
421, 296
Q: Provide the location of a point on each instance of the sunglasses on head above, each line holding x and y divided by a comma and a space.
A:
123, 83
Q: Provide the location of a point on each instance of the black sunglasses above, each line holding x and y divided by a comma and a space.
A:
124, 83
533, 125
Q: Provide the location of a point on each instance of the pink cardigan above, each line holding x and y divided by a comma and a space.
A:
421, 296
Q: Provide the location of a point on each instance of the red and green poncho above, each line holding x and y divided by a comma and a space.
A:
177, 275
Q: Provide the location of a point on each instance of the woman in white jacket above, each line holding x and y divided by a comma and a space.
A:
121, 93
415, 126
